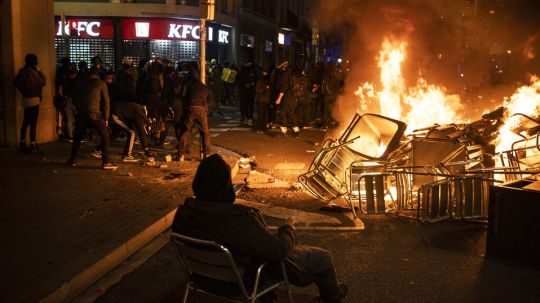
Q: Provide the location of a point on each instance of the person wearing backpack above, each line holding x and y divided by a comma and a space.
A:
30, 82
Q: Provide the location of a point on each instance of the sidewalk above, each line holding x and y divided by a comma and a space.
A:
58, 221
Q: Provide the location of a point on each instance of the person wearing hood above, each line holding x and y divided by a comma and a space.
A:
213, 215
90, 96
30, 82
286, 100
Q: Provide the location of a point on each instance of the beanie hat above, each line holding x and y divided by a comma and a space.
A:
31, 60
212, 182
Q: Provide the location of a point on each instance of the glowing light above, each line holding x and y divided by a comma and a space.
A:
419, 106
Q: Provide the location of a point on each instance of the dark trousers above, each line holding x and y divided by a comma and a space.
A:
247, 103
262, 115
194, 115
30, 119
315, 106
95, 122
308, 264
328, 103
303, 113
130, 129
288, 113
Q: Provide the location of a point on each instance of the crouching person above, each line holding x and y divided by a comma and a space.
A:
212, 215
130, 118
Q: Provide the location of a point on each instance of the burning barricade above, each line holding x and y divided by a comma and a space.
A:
434, 173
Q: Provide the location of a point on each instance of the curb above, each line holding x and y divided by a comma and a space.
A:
73, 287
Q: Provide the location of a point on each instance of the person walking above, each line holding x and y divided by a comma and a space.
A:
30, 82
246, 84
263, 101
286, 100
213, 215
196, 111
90, 95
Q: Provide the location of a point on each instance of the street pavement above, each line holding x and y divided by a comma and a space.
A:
389, 259
59, 221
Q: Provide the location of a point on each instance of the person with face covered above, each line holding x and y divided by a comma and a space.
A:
263, 100
286, 100
213, 215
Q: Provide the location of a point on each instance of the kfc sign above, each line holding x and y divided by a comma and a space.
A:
171, 29
85, 28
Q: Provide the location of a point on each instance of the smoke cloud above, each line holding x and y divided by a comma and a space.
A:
458, 44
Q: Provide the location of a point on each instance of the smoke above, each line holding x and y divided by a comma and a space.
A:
457, 44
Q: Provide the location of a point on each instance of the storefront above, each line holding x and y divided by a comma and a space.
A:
82, 38
137, 38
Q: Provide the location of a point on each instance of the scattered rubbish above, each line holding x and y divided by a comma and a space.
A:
316, 143
163, 166
172, 176
168, 158
272, 180
244, 163
130, 174
309, 150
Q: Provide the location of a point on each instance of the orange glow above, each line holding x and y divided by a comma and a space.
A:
419, 106
526, 100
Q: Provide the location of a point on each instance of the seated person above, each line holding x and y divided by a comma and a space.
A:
212, 215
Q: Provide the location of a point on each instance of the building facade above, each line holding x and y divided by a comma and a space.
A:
262, 31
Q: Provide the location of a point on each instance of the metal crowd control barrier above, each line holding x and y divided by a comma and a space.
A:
373, 188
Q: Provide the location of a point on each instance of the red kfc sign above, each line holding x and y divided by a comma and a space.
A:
169, 29
85, 28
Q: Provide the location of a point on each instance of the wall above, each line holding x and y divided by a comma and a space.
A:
27, 26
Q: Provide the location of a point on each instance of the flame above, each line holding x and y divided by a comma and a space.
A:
526, 100
419, 106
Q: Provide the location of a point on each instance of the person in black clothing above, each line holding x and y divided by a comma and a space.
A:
286, 100
91, 98
30, 82
197, 97
246, 84
126, 80
263, 100
213, 215
130, 118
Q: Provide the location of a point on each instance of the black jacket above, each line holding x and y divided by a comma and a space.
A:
129, 111
197, 94
90, 95
239, 228
30, 82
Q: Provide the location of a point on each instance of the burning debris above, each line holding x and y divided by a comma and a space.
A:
444, 170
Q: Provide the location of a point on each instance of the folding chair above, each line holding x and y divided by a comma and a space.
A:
214, 261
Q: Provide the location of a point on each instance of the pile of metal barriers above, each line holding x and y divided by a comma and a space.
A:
432, 174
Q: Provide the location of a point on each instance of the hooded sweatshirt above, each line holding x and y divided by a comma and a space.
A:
237, 227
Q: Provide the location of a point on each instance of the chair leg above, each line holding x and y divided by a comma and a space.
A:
287, 285
186, 294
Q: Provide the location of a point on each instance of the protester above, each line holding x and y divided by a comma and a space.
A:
126, 81
286, 100
30, 82
263, 101
332, 84
300, 89
212, 215
246, 84
90, 95
197, 97
130, 118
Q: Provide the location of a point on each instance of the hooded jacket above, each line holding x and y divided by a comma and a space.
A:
89, 93
30, 82
238, 227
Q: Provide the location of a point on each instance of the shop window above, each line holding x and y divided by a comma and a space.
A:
149, 1
174, 50
82, 1
84, 49
135, 50
188, 2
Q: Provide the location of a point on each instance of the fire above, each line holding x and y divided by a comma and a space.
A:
526, 100
419, 106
